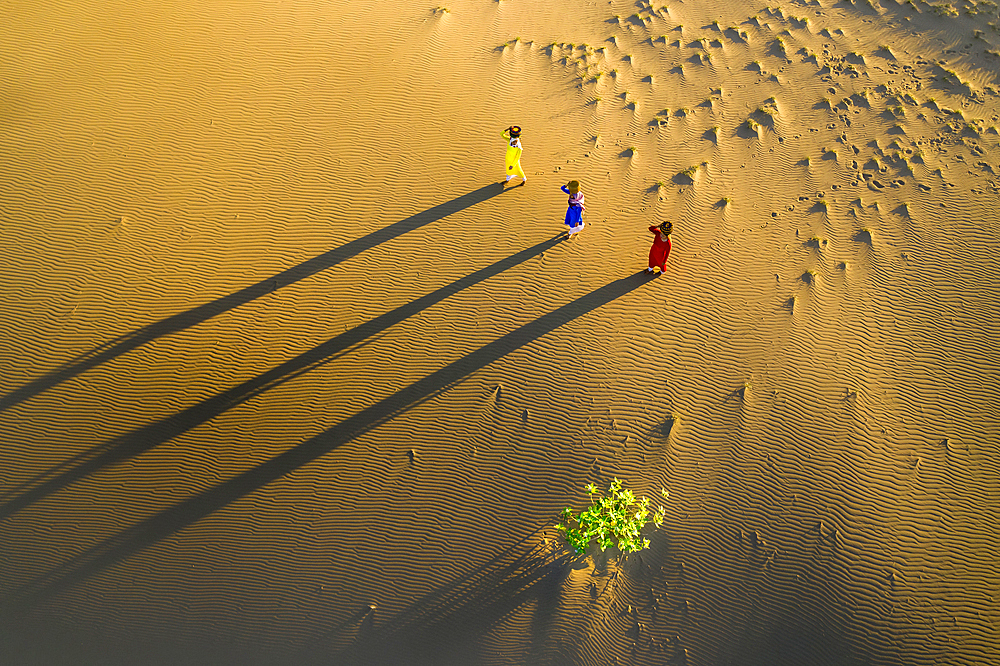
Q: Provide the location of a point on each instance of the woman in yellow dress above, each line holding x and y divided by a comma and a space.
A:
513, 137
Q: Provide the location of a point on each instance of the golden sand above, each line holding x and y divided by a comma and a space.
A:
289, 377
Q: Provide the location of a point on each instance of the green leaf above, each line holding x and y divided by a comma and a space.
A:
614, 519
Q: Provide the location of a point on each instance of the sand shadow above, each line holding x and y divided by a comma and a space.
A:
149, 531
763, 118
445, 625
734, 35
123, 344
863, 236
777, 49
666, 427
738, 394
149, 436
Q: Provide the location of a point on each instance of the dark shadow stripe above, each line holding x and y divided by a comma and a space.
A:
184, 320
147, 437
161, 525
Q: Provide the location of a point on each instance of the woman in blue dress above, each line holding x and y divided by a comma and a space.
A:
575, 209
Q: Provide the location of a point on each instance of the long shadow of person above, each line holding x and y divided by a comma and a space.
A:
151, 530
201, 313
149, 436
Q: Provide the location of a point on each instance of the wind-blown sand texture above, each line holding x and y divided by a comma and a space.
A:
289, 378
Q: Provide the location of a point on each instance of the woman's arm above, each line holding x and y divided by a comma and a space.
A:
564, 189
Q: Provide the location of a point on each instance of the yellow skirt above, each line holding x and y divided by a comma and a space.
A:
514, 162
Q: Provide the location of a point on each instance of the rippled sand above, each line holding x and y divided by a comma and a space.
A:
287, 376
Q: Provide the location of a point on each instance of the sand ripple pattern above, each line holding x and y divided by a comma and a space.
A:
288, 376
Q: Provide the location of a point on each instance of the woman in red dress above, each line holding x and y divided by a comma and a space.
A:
661, 247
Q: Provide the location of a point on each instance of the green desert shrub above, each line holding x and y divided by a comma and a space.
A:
612, 520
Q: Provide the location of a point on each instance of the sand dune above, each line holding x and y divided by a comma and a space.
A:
289, 376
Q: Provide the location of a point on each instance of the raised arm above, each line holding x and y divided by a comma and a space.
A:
564, 189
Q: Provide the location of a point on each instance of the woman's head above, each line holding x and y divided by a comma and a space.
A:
515, 131
667, 227
573, 186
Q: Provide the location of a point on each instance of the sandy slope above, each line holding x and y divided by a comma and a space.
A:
288, 377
